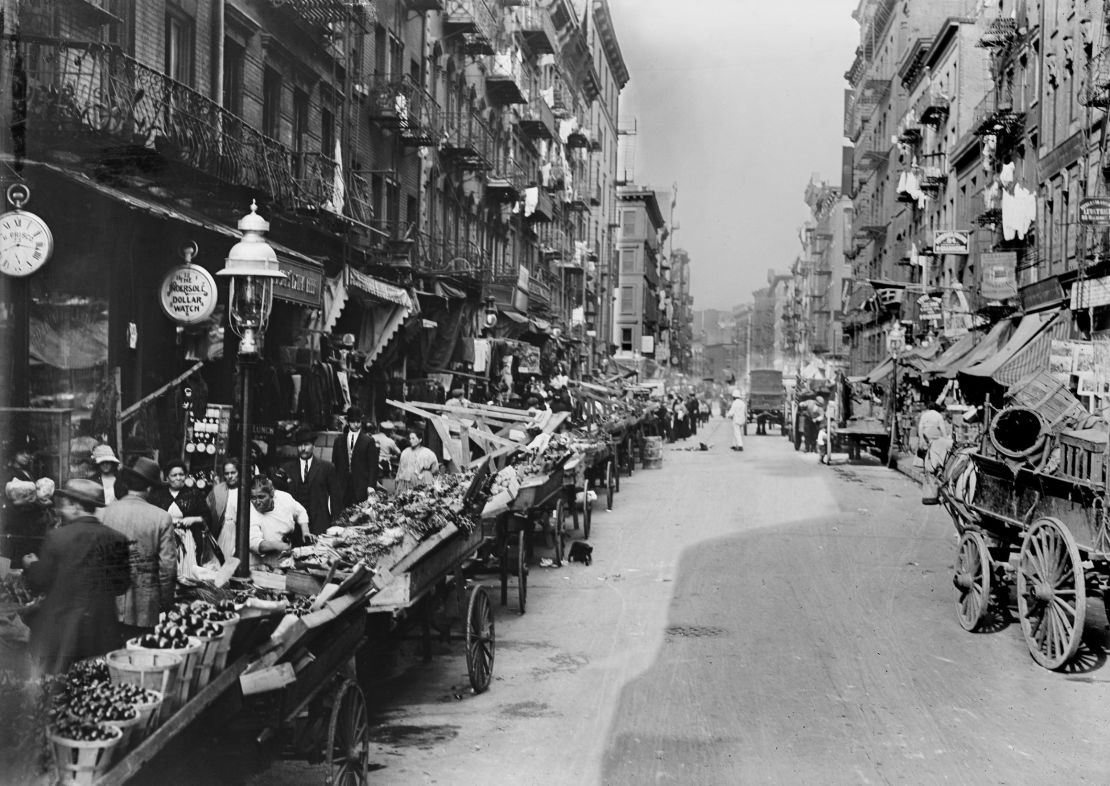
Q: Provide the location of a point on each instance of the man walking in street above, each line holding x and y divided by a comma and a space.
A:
81, 568
314, 483
356, 459
153, 549
738, 414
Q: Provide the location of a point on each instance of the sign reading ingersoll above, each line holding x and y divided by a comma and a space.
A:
952, 241
188, 294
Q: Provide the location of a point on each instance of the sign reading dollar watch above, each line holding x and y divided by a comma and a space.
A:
188, 294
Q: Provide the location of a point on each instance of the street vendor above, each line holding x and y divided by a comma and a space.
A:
81, 568
275, 515
418, 464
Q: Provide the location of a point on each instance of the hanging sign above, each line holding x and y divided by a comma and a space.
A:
188, 294
928, 308
952, 241
999, 275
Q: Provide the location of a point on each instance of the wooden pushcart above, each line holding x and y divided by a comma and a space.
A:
1045, 533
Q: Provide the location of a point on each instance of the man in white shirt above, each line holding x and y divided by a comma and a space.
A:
738, 414
274, 517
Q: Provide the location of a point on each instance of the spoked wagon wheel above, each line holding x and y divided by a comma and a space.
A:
558, 517
610, 484
348, 762
972, 580
616, 470
522, 570
479, 639
1051, 594
571, 494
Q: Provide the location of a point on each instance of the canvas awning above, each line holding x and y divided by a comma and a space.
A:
1026, 349
951, 357
880, 372
991, 343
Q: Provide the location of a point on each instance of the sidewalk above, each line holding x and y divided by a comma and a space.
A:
905, 463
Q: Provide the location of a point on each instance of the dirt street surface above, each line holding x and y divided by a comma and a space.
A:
748, 618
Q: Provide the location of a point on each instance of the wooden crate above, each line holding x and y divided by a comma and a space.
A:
1083, 455
1049, 396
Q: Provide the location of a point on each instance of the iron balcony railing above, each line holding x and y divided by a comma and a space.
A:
406, 106
563, 104
536, 27
452, 255
545, 207
536, 118
505, 180
475, 21
321, 185
325, 15
467, 139
80, 95
540, 285
506, 82
552, 240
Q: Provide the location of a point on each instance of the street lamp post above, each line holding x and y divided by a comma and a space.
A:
895, 343
252, 267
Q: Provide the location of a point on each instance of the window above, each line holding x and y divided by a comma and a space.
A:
327, 132
271, 103
300, 123
234, 59
628, 260
628, 222
179, 47
626, 339
628, 300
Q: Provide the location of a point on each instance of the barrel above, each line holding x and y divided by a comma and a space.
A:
653, 452
1018, 432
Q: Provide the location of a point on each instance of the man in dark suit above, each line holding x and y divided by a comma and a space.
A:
314, 483
356, 459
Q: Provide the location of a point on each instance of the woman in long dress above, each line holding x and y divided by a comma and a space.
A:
189, 509
223, 503
417, 466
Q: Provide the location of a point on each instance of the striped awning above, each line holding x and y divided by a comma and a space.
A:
995, 339
951, 357
1027, 349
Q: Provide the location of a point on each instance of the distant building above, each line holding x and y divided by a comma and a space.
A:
639, 278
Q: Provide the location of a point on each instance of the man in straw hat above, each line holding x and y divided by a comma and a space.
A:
81, 568
149, 533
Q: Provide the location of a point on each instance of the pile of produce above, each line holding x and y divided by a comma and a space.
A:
368, 531
166, 636
84, 731
101, 702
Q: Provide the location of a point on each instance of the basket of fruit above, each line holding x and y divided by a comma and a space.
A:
222, 614
98, 704
168, 637
158, 671
82, 750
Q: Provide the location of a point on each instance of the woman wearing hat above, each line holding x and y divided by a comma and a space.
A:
107, 471
81, 568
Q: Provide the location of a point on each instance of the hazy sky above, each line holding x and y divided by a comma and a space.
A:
738, 102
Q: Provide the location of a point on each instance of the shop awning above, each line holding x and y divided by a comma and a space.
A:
991, 343
378, 290
951, 357
1027, 348
880, 372
515, 317
304, 282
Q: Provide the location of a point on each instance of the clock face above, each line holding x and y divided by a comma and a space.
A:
25, 243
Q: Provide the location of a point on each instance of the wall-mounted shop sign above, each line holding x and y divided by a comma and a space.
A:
999, 275
302, 284
1094, 210
188, 294
952, 241
929, 309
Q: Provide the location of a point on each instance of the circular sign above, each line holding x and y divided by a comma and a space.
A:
188, 294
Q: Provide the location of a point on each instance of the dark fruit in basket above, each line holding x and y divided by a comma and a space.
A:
84, 731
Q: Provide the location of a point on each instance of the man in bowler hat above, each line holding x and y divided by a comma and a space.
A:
356, 459
314, 483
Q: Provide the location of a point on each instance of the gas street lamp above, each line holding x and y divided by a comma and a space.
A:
252, 267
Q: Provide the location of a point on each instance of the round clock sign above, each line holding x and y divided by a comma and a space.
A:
26, 242
188, 294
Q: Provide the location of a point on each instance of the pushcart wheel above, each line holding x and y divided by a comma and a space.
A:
503, 563
616, 475
610, 485
348, 762
1051, 593
972, 580
558, 519
522, 570
479, 639
571, 493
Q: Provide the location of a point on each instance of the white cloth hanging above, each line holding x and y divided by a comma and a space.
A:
531, 200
